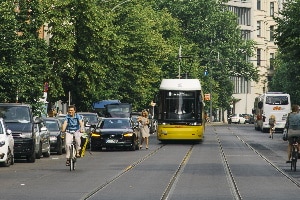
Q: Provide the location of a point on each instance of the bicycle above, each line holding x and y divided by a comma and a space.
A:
294, 154
272, 131
73, 151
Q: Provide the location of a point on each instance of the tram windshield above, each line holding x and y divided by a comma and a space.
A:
180, 105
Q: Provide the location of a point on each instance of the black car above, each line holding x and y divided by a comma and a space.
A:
114, 133
57, 142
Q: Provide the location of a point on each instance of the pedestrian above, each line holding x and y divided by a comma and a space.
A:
144, 128
73, 126
272, 122
293, 128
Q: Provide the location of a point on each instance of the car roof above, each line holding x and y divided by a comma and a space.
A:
113, 118
50, 118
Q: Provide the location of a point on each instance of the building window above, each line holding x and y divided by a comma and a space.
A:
258, 4
272, 59
258, 56
246, 34
241, 85
271, 33
272, 9
258, 28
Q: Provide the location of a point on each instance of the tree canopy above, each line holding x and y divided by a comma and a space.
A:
287, 74
118, 49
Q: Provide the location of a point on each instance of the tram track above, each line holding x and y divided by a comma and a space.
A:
230, 177
170, 187
290, 178
122, 173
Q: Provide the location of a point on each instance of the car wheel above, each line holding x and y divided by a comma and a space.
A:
47, 154
12, 162
93, 148
31, 158
39, 153
7, 162
59, 148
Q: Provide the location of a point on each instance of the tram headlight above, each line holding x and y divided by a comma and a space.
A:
195, 124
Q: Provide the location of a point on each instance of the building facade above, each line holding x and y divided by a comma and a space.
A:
256, 20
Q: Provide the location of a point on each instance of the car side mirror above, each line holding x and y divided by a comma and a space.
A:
93, 126
44, 128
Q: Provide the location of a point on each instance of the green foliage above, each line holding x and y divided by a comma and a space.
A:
215, 32
117, 49
24, 59
286, 77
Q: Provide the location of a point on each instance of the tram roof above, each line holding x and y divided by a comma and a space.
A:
180, 84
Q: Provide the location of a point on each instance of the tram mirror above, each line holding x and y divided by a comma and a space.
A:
260, 105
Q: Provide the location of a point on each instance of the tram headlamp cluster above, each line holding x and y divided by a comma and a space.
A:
195, 124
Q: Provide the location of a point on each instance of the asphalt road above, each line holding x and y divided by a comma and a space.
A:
232, 162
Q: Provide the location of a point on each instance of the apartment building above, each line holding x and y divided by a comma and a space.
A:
256, 21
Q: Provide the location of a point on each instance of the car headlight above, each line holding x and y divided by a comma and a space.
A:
53, 138
2, 143
96, 135
128, 134
26, 135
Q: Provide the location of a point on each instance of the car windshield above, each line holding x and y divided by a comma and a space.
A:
115, 124
18, 114
91, 118
52, 125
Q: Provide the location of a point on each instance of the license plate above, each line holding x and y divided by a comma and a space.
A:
111, 141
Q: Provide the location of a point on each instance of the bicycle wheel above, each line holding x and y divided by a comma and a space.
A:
294, 160
71, 157
293, 165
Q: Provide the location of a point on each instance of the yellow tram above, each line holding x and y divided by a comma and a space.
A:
180, 110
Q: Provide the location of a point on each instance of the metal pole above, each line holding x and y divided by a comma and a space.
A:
179, 56
210, 90
69, 98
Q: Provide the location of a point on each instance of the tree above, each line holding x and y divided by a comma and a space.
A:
286, 77
214, 30
24, 55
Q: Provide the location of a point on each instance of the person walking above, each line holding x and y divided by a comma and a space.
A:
144, 129
72, 126
272, 122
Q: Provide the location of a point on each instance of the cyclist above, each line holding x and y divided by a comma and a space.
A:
72, 126
293, 127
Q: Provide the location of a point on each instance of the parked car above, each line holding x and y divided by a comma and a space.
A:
238, 119
31, 137
248, 118
112, 133
57, 139
6, 145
